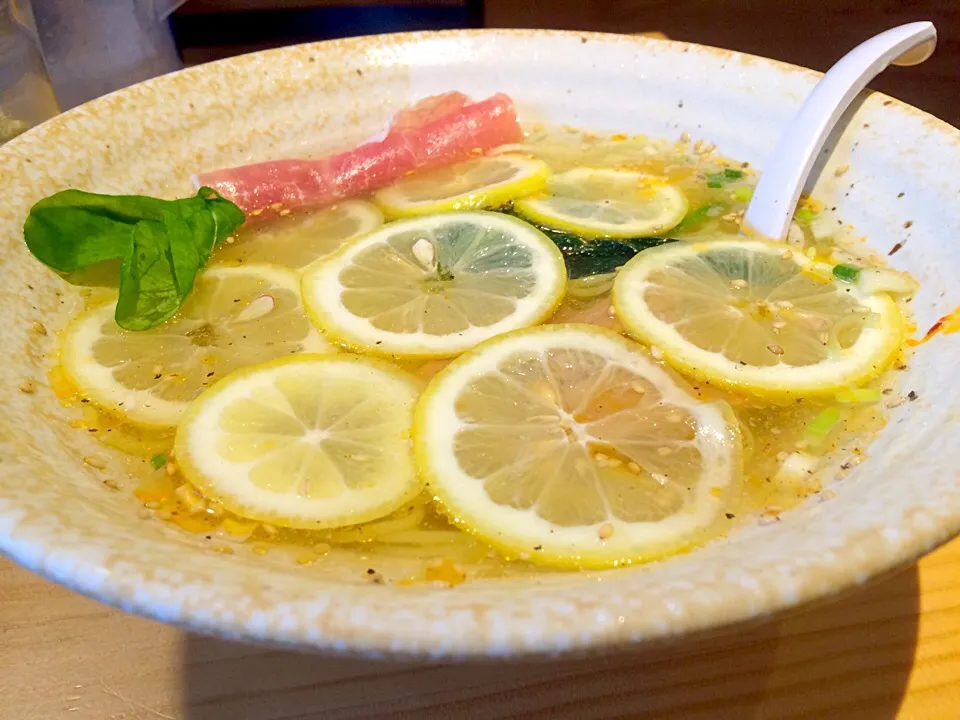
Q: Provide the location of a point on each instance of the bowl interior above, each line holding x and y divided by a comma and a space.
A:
57, 517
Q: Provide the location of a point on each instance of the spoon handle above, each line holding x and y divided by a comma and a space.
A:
787, 168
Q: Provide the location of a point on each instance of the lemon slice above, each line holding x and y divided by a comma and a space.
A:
295, 241
436, 286
568, 445
756, 316
603, 202
486, 182
312, 441
233, 317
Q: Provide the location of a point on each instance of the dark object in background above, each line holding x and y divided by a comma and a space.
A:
811, 33
210, 29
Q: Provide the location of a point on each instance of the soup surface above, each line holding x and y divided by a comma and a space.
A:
564, 353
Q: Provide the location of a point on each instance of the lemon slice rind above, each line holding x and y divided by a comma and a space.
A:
873, 352
548, 209
523, 533
529, 176
228, 481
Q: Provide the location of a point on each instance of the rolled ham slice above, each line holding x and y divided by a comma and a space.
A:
438, 131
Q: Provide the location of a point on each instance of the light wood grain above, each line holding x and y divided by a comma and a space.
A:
886, 650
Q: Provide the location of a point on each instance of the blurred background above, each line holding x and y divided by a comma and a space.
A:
59, 53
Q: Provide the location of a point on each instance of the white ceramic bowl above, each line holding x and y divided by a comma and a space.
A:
57, 518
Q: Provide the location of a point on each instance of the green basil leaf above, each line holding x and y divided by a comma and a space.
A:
227, 217
162, 244
73, 229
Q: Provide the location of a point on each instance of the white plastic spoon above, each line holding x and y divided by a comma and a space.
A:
787, 168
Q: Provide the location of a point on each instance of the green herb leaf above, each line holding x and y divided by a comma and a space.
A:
847, 273
743, 194
162, 244
732, 173
158, 461
73, 229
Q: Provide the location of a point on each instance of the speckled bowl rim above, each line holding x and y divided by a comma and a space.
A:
485, 635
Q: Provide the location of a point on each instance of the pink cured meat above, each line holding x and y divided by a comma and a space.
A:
436, 132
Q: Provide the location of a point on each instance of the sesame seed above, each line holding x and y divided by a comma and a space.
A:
605, 531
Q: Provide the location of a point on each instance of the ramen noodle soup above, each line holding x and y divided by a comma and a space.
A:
471, 350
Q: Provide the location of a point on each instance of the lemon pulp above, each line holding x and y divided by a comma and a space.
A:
233, 317
756, 316
568, 445
436, 286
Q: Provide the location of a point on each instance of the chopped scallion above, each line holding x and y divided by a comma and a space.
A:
847, 273
824, 422
743, 194
158, 461
804, 215
733, 173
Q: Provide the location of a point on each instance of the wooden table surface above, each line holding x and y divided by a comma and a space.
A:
890, 649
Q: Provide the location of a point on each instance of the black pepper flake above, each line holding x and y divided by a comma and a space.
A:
912, 395
895, 249
85, 400
371, 571
900, 195
845, 466
157, 376
908, 224
680, 104
210, 374
209, 537
359, 72
379, 342
730, 516
538, 547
